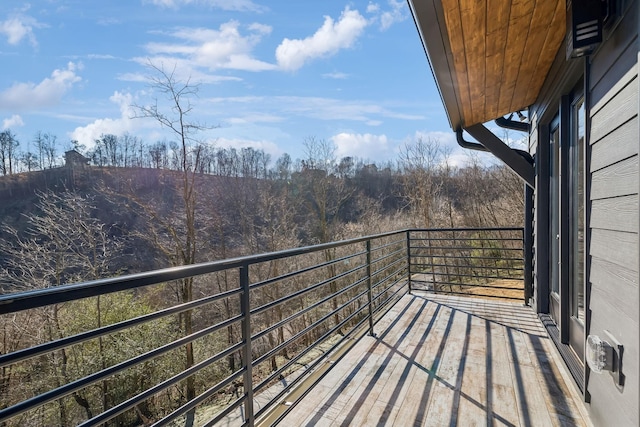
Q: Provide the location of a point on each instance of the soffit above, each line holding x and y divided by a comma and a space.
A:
489, 57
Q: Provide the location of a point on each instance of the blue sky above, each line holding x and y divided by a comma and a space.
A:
270, 73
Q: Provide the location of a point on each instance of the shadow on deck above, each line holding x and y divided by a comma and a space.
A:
447, 360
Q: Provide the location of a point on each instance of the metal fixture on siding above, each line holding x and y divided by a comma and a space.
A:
599, 354
584, 26
606, 355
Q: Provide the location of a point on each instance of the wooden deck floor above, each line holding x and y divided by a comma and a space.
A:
446, 361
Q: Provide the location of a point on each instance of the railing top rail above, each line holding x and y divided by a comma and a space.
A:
467, 229
19, 301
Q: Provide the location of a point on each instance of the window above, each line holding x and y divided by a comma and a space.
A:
576, 220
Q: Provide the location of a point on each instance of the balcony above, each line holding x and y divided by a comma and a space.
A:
409, 327
447, 360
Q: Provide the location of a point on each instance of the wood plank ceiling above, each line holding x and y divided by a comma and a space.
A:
502, 51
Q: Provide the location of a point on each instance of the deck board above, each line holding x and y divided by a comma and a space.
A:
443, 360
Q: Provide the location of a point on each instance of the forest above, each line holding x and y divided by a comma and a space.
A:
241, 204
136, 207
73, 224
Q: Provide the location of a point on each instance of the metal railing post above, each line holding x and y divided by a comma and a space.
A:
369, 291
409, 260
528, 244
247, 357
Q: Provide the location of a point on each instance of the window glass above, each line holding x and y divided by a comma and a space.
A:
577, 210
554, 192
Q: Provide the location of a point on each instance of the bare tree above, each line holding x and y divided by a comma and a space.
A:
181, 245
109, 144
421, 163
29, 161
128, 146
8, 151
50, 149
283, 167
40, 147
326, 193
64, 244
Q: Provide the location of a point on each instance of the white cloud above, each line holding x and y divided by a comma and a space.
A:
100, 56
237, 5
252, 118
328, 40
373, 7
337, 76
246, 63
182, 74
260, 28
397, 13
134, 77
366, 145
225, 48
12, 122
320, 108
44, 94
445, 140
18, 28
125, 123
107, 22
339, 109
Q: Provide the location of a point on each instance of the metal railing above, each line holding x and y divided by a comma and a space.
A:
488, 262
253, 333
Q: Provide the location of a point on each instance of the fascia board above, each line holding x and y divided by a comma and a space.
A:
429, 19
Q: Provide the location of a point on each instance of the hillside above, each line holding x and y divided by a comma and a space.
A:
107, 189
140, 215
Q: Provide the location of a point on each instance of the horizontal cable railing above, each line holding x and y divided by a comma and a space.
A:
229, 340
487, 262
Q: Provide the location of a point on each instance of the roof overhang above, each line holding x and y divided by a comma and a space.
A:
489, 57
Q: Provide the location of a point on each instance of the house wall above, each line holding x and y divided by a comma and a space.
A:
562, 78
614, 222
612, 210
